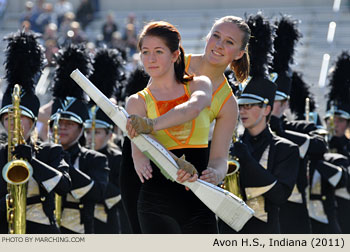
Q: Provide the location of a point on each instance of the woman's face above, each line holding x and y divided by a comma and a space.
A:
156, 57
224, 44
26, 125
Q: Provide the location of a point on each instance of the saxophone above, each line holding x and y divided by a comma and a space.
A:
231, 181
16, 172
58, 198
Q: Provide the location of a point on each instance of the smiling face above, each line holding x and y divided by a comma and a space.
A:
224, 44
156, 57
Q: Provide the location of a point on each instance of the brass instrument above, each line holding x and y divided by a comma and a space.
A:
307, 109
93, 126
231, 181
17, 171
56, 140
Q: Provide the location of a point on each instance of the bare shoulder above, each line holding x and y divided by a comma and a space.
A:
194, 63
135, 104
201, 79
230, 108
201, 82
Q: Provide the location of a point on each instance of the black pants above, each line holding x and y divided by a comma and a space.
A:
343, 211
321, 228
161, 214
294, 219
130, 185
37, 228
166, 207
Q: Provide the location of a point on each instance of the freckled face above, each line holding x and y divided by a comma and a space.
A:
156, 57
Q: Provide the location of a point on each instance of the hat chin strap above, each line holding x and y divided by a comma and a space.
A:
259, 118
31, 129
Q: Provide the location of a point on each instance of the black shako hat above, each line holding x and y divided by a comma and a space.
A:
339, 95
108, 72
23, 64
287, 35
69, 99
259, 89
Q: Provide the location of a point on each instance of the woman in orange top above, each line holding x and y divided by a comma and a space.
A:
164, 206
226, 46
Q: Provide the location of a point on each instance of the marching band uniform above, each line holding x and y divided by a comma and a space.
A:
338, 107
109, 213
268, 163
50, 171
130, 183
268, 166
325, 176
89, 171
293, 214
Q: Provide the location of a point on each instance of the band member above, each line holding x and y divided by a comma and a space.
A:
130, 184
24, 60
164, 206
90, 172
294, 216
268, 164
327, 173
338, 105
109, 212
338, 118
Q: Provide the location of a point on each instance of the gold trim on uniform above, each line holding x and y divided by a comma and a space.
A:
100, 213
110, 202
296, 196
80, 192
254, 198
71, 217
52, 182
316, 210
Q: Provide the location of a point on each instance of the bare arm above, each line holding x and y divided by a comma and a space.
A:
225, 124
135, 105
142, 164
201, 92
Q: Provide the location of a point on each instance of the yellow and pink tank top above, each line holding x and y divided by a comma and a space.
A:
192, 134
219, 97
